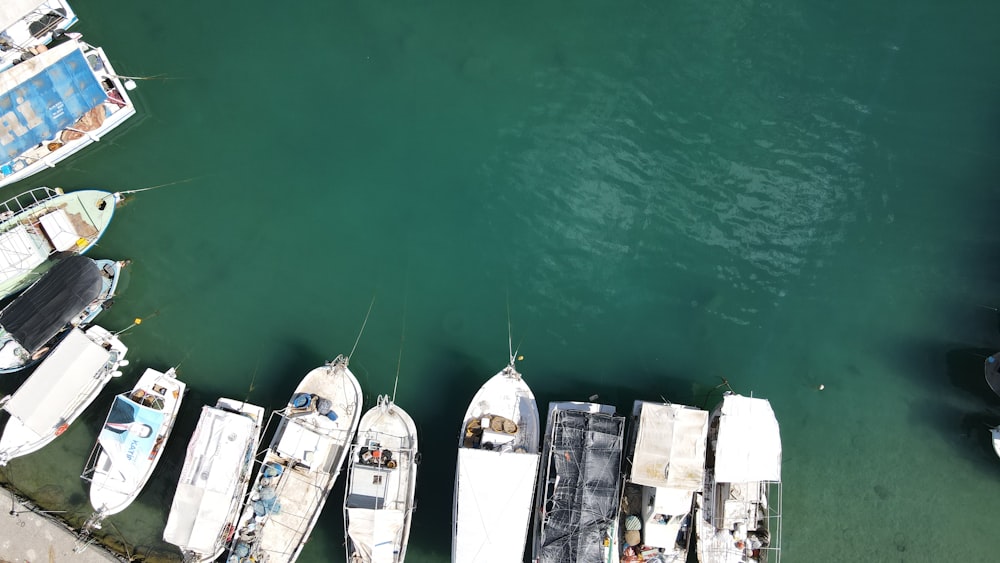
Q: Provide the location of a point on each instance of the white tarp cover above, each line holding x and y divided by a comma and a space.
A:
299, 442
375, 533
670, 447
68, 371
19, 253
215, 459
59, 229
494, 505
12, 11
749, 443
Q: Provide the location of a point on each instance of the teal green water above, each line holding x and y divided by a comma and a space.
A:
666, 193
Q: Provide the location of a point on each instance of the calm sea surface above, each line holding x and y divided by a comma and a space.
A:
665, 193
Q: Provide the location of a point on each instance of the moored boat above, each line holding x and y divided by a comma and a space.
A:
995, 434
71, 294
496, 471
299, 468
214, 479
665, 469
739, 513
131, 442
59, 102
578, 495
381, 482
26, 26
60, 389
992, 368
42, 225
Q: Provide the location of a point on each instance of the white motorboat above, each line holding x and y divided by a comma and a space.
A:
214, 479
299, 468
42, 225
576, 505
739, 514
58, 103
665, 463
71, 294
381, 481
59, 390
496, 472
27, 26
131, 442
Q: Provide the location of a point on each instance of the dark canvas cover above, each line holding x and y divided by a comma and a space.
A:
46, 307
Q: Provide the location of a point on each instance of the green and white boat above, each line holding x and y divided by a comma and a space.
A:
43, 225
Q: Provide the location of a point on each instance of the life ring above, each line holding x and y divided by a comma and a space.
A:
62, 428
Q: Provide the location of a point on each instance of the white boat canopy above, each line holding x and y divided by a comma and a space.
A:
494, 511
44, 399
749, 443
670, 448
375, 532
19, 253
204, 497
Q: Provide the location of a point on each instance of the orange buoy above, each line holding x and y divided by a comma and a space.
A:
62, 428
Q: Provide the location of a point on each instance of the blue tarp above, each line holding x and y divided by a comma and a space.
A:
38, 108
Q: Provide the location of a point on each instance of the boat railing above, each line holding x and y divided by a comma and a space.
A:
26, 201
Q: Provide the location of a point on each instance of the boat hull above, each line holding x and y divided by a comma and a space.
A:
494, 485
300, 466
116, 479
382, 479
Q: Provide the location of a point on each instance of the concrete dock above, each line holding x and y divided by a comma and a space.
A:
27, 536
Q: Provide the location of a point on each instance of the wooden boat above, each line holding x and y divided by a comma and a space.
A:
214, 479
27, 26
59, 102
299, 468
381, 481
42, 225
59, 390
739, 514
71, 294
131, 442
576, 504
496, 471
665, 469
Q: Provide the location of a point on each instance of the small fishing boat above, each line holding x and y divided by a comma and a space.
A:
26, 26
381, 481
71, 294
496, 471
42, 225
58, 102
214, 479
665, 469
740, 509
576, 505
299, 468
131, 442
59, 390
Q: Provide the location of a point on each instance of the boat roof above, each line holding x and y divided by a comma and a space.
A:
13, 11
20, 253
44, 95
42, 401
203, 501
493, 510
376, 533
670, 447
45, 308
749, 443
